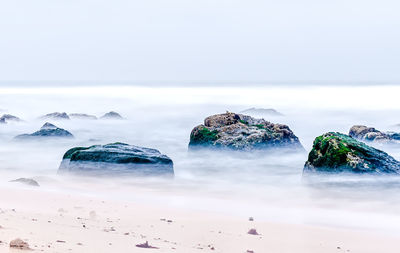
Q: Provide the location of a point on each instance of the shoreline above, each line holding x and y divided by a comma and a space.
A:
59, 222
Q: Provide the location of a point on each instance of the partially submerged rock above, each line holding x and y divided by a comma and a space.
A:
27, 181
19, 244
3, 121
336, 152
81, 116
242, 132
371, 134
111, 115
261, 112
116, 158
9, 117
56, 116
48, 130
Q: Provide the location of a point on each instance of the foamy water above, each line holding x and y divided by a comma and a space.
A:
268, 186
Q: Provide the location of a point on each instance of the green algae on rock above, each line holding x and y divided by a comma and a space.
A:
336, 152
241, 132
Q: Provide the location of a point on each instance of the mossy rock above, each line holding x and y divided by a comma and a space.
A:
336, 152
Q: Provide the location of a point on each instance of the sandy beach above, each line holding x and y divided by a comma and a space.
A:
56, 222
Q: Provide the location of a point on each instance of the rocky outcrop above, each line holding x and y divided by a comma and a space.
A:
48, 130
371, 134
242, 132
3, 121
8, 117
27, 181
82, 116
56, 116
261, 112
111, 115
336, 152
116, 158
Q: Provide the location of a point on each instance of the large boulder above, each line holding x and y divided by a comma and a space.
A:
336, 152
56, 116
116, 158
9, 117
81, 116
370, 134
48, 130
242, 132
111, 115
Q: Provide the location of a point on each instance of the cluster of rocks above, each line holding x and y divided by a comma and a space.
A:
65, 116
331, 152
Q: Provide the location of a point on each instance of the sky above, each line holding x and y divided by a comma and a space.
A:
238, 41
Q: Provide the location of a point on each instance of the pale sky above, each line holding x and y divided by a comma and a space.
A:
207, 40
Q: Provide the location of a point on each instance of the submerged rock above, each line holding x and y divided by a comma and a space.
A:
365, 133
242, 132
262, 112
56, 116
111, 115
116, 158
48, 130
9, 117
27, 181
81, 116
3, 121
336, 152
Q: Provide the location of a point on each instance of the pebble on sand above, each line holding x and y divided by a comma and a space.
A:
19, 244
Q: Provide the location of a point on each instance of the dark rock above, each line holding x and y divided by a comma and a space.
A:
116, 158
242, 132
9, 117
336, 152
3, 121
48, 130
56, 116
81, 116
27, 181
394, 136
111, 115
261, 112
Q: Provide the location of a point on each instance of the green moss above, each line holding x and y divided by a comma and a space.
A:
259, 126
203, 136
244, 122
71, 151
333, 148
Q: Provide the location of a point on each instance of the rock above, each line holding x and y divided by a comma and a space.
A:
111, 115
81, 116
9, 117
19, 244
116, 158
394, 136
253, 231
242, 132
146, 245
336, 152
27, 181
3, 121
56, 116
261, 112
48, 130
369, 134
